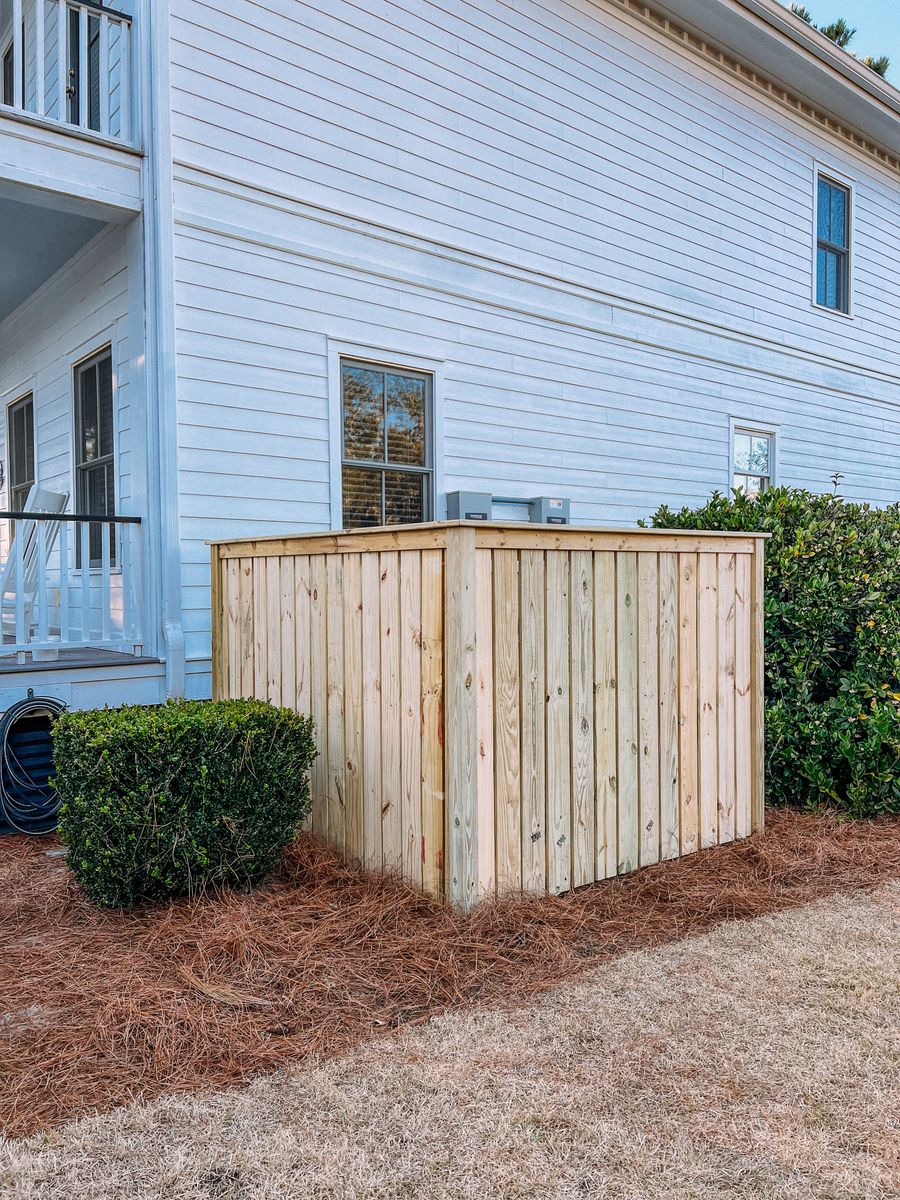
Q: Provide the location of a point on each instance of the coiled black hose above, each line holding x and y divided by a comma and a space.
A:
28, 804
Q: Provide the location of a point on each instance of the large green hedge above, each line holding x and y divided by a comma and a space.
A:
165, 801
832, 644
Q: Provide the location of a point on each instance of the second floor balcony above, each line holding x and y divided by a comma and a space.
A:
68, 65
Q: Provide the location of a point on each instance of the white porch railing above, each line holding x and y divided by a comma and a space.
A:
71, 581
68, 61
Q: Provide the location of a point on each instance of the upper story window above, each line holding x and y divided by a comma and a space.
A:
386, 476
20, 432
832, 245
753, 466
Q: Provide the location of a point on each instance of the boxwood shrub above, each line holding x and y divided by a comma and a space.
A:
165, 801
832, 644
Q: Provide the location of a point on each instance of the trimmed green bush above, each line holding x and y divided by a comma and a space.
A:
832, 644
167, 801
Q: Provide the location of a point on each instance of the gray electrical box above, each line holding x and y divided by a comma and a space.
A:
547, 510
468, 506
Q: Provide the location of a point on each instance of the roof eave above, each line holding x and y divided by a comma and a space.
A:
767, 36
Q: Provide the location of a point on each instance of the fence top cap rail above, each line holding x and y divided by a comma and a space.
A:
540, 533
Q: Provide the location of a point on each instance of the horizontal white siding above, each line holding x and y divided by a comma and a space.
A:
603, 241
556, 134
531, 405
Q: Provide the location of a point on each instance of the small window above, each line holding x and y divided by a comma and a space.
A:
94, 453
20, 432
833, 246
386, 419
753, 467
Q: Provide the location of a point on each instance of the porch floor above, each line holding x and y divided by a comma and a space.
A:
78, 656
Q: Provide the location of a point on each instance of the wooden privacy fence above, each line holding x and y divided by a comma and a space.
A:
509, 707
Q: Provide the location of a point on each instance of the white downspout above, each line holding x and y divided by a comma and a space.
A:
162, 379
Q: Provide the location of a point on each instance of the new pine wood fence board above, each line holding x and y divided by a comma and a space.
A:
461, 724
688, 705
273, 640
743, 755
302, 615
559, 758
507, 730
433, 721
372, 778
532, 603
411, 713
627, 711
648, 709
669, 797
353, 707
484, 659
725, 712
581, 675
335, 829
757, 686
391, 764
605, 717
318, 688
287, 614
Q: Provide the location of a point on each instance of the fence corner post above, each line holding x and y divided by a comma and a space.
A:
460, 720
757, 686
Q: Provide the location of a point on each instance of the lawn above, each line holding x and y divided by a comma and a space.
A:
760, 1061
101, 1008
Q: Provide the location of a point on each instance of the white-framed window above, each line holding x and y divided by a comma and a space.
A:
833, 225
95, 469
20, 450
752, 459
387, 456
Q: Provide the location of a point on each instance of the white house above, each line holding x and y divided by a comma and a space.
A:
290, 264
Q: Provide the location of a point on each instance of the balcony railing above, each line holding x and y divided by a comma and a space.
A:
68, 62
71, 580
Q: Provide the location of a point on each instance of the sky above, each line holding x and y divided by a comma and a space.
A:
877, 23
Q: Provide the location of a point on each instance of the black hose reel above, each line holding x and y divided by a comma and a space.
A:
28, 804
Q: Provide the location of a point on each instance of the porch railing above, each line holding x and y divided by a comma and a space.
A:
68, 61
71, 580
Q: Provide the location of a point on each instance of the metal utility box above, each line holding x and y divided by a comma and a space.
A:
468, 506
547, 510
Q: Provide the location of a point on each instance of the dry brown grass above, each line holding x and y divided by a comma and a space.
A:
758, 1062
101, 1008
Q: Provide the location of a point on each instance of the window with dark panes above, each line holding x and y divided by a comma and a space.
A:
386, 472
20, 452
94, 451
833, 246
8, 86
91, 84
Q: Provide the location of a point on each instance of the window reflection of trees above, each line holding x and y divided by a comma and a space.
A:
384, 425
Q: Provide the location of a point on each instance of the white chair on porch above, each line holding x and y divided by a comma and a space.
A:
12, 580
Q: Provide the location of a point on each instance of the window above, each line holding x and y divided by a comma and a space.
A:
8, 87
94, 455
92, 58
8, 94
753, 469
386, 424
20, 434
833, 245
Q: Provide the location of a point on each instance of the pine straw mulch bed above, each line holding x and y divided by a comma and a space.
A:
98, 1008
